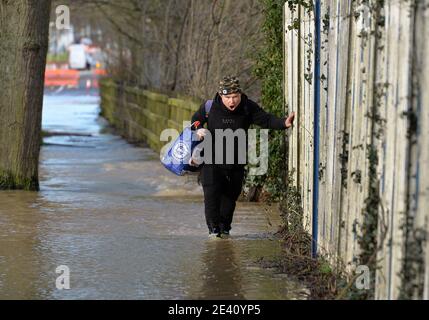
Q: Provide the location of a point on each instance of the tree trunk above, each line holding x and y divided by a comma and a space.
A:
24, 28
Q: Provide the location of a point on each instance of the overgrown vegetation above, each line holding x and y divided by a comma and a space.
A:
269, 70
316, 274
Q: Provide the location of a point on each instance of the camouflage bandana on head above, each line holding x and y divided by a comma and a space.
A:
229, 85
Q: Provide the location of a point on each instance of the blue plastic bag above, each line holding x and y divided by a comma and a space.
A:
177, 157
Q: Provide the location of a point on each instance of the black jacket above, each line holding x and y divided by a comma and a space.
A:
245, 114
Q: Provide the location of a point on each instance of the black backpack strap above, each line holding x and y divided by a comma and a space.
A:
207, 106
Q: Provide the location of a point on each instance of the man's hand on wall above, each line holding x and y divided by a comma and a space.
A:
290, 119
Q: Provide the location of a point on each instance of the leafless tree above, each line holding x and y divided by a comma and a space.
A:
178, 45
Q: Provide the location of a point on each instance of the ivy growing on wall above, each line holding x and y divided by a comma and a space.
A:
269, 69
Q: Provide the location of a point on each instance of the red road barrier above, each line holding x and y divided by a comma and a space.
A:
67, 77
61, 77
99, 72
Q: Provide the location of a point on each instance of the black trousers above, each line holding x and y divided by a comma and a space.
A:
222, 187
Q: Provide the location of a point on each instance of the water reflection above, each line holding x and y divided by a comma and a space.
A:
22, 254
221, 272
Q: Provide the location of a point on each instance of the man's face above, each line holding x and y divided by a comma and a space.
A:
231, 101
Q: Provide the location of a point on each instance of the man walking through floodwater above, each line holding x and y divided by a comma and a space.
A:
222, 181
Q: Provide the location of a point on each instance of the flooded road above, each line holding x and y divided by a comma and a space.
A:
124, 226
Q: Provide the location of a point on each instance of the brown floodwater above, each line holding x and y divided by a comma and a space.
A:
124, 226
